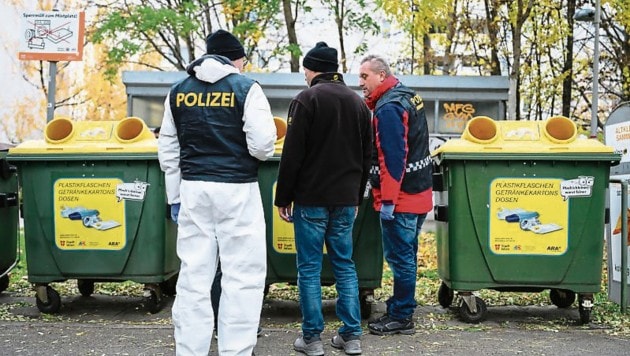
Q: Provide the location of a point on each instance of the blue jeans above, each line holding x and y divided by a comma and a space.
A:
400, 248
314, 227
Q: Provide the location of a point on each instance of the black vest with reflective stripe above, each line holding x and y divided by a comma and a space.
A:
419, 169
209, 122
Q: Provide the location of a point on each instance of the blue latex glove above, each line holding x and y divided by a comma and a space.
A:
387, 211
175, 211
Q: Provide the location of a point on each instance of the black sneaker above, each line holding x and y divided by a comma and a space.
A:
388, 326
379, 319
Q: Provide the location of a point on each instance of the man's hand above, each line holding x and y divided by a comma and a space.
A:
175, 211
387, 211
286, 213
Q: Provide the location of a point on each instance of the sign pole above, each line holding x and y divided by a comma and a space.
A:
594, 116
52, 87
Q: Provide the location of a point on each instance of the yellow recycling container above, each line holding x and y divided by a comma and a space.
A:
520, 207
94, 207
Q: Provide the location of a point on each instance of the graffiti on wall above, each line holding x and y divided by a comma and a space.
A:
457, 114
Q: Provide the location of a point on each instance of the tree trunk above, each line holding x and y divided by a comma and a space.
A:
339, 16
289, 20
493, 31
450, 38
426, 40
522, 12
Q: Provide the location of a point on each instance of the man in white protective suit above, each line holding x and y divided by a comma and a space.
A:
217, 126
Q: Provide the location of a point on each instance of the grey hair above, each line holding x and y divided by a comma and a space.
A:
377, 64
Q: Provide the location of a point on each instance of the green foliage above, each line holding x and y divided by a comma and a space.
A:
420, 17
175, 32
361, 49
138, 29
294, 49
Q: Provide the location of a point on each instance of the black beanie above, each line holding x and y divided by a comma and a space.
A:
225, 44
322, 59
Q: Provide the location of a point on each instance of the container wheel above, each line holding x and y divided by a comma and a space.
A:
474, 318
53, 304
86, 287
585, 315
153, 299
585, 306
445, 296
169, 286
562, 298
4, 283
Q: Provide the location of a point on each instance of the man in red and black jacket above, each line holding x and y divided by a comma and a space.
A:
401, 179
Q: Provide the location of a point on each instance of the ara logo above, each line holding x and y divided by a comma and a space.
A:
114, 243
553, 248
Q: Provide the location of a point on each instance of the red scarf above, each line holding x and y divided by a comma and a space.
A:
387, 84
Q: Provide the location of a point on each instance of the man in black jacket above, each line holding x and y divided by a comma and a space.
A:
321, 180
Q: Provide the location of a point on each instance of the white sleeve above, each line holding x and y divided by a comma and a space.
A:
259, 128
168, 154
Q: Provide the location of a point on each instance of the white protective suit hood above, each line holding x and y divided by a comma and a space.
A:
211, 68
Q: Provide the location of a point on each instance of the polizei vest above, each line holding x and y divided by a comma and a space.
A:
209, 122
419, 168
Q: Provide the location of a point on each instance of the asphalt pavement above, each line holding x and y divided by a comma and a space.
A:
115, 325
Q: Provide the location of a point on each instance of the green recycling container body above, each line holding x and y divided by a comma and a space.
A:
517, 218
281, 252
9, 219
94, 207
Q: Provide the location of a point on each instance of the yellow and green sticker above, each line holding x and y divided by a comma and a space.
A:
528, 216
89, 214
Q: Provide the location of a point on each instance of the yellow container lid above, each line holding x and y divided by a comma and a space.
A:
64, 136
557, 134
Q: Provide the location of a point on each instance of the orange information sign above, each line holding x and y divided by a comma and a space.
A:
52, 36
